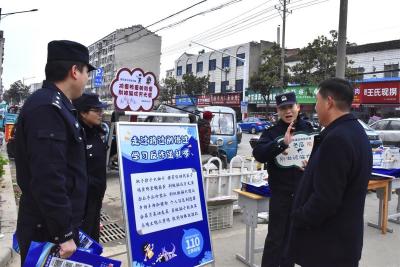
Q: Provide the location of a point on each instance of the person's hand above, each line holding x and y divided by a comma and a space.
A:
288, 135
305, 162
67, 249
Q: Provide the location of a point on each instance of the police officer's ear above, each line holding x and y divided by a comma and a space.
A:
77, 70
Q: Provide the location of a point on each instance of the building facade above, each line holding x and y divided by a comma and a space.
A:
133, 47
226, 73
375, 60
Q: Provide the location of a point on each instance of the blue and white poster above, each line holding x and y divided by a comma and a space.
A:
162, 191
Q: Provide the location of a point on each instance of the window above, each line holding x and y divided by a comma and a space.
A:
224, 86
225, 62
238, 61
394, 125
179, 71
188, 68
212, 64
358, 74
211, 87
393, 73
380, 125
199, 66
239, 85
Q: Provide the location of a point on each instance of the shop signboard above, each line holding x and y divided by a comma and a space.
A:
380, 92
304, 95
162, 194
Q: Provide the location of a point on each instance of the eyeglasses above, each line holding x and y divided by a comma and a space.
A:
97, 110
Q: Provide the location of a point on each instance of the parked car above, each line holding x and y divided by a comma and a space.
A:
254, 125
373, 136
388, 130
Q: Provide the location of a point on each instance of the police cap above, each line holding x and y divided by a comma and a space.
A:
88, 101
285, 99
68, 50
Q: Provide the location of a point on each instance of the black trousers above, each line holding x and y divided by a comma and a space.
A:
280, 206
353, 264
91, 223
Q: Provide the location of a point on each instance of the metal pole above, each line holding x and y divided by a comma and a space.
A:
283, 43
341, 48
278, 35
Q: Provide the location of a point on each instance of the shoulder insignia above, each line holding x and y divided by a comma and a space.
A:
56, 100
56, 104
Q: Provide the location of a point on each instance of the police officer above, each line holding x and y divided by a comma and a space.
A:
50, 153
90, 116
282, 181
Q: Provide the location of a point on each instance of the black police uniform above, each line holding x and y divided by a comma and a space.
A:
283, 183
50, 159
51, 169
96, 151
96, 160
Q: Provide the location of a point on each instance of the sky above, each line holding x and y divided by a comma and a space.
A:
86, 21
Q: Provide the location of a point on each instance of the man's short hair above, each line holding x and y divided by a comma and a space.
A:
340, 90
57, 71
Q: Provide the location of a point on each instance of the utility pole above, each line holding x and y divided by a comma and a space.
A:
341, 48
283, 15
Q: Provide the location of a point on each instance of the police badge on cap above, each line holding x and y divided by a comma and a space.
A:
285, 99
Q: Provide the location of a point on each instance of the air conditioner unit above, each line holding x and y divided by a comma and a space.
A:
226, 69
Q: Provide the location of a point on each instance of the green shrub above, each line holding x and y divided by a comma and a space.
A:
3, 162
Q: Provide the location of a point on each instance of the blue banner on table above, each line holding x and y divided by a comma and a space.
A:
47, 255
164, 205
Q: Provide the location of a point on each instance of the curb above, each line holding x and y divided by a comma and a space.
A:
8, 215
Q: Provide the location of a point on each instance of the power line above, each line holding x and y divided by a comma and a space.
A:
179, 22
167, 17
214, 29
235, 30
231, 30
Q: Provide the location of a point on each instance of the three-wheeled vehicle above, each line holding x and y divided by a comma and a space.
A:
224, 130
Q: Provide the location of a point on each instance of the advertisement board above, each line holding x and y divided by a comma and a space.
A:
163, 198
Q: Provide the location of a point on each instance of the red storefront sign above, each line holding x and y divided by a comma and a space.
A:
203, 100
378, 93
228, 99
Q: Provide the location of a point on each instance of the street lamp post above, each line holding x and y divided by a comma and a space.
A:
17, 12
238, 58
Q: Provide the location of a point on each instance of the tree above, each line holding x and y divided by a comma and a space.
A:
318, 61
17, 93
168, 90
268, 76
192, 85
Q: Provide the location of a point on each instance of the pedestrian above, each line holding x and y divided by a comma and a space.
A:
283, 181
327, 219
204, 128
50, 153
90, 117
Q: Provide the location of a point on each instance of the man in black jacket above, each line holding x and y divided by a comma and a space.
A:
283, 181
50, 153
327, 219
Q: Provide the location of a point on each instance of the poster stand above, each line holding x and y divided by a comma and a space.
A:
163, 198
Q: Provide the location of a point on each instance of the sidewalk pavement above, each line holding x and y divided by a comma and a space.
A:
8, 216
379, 250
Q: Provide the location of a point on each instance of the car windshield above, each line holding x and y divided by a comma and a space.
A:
222, 123
365, 126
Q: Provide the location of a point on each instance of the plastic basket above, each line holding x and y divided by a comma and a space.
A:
220, 215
